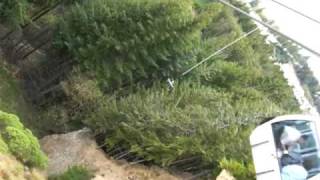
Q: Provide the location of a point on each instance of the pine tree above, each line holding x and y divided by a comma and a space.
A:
14, 12
125, 41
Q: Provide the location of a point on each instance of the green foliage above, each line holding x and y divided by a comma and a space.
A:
276, 88
74, 173
10, 120
244, 21
13, 12
245, 65
235, 77
209, 116
190, 121
227, 75
82, 96
3, 146
165, 127
25, 147
239, 170
158, 39
20, 141
306, 76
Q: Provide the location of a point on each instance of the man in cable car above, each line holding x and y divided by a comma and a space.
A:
287, 147
290, 159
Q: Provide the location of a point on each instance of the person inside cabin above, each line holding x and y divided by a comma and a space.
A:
291, 160
290, 139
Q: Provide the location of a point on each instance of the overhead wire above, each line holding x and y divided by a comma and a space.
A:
219, 51
269, 27
296, 11
171, 82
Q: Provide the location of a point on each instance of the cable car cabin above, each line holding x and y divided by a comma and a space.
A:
287, 147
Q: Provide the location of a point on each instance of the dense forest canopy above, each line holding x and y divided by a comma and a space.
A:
158, 38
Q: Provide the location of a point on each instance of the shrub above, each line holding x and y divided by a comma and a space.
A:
3, 146
20, 141
82, 96
25, 147
238, 169
74, 173
10, 120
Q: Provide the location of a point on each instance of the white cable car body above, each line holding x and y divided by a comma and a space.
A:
266, 146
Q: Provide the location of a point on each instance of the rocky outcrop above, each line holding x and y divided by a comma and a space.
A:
225, 175
80, 148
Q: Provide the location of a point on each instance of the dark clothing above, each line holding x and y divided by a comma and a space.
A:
291, 158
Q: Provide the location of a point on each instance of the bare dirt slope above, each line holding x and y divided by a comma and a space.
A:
12, 169
80, 148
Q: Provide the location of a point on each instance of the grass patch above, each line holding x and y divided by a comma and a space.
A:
74, 173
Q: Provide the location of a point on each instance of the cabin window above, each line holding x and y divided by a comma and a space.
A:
297, 148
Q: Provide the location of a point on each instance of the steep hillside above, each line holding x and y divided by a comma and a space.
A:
104, 64
80, 149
